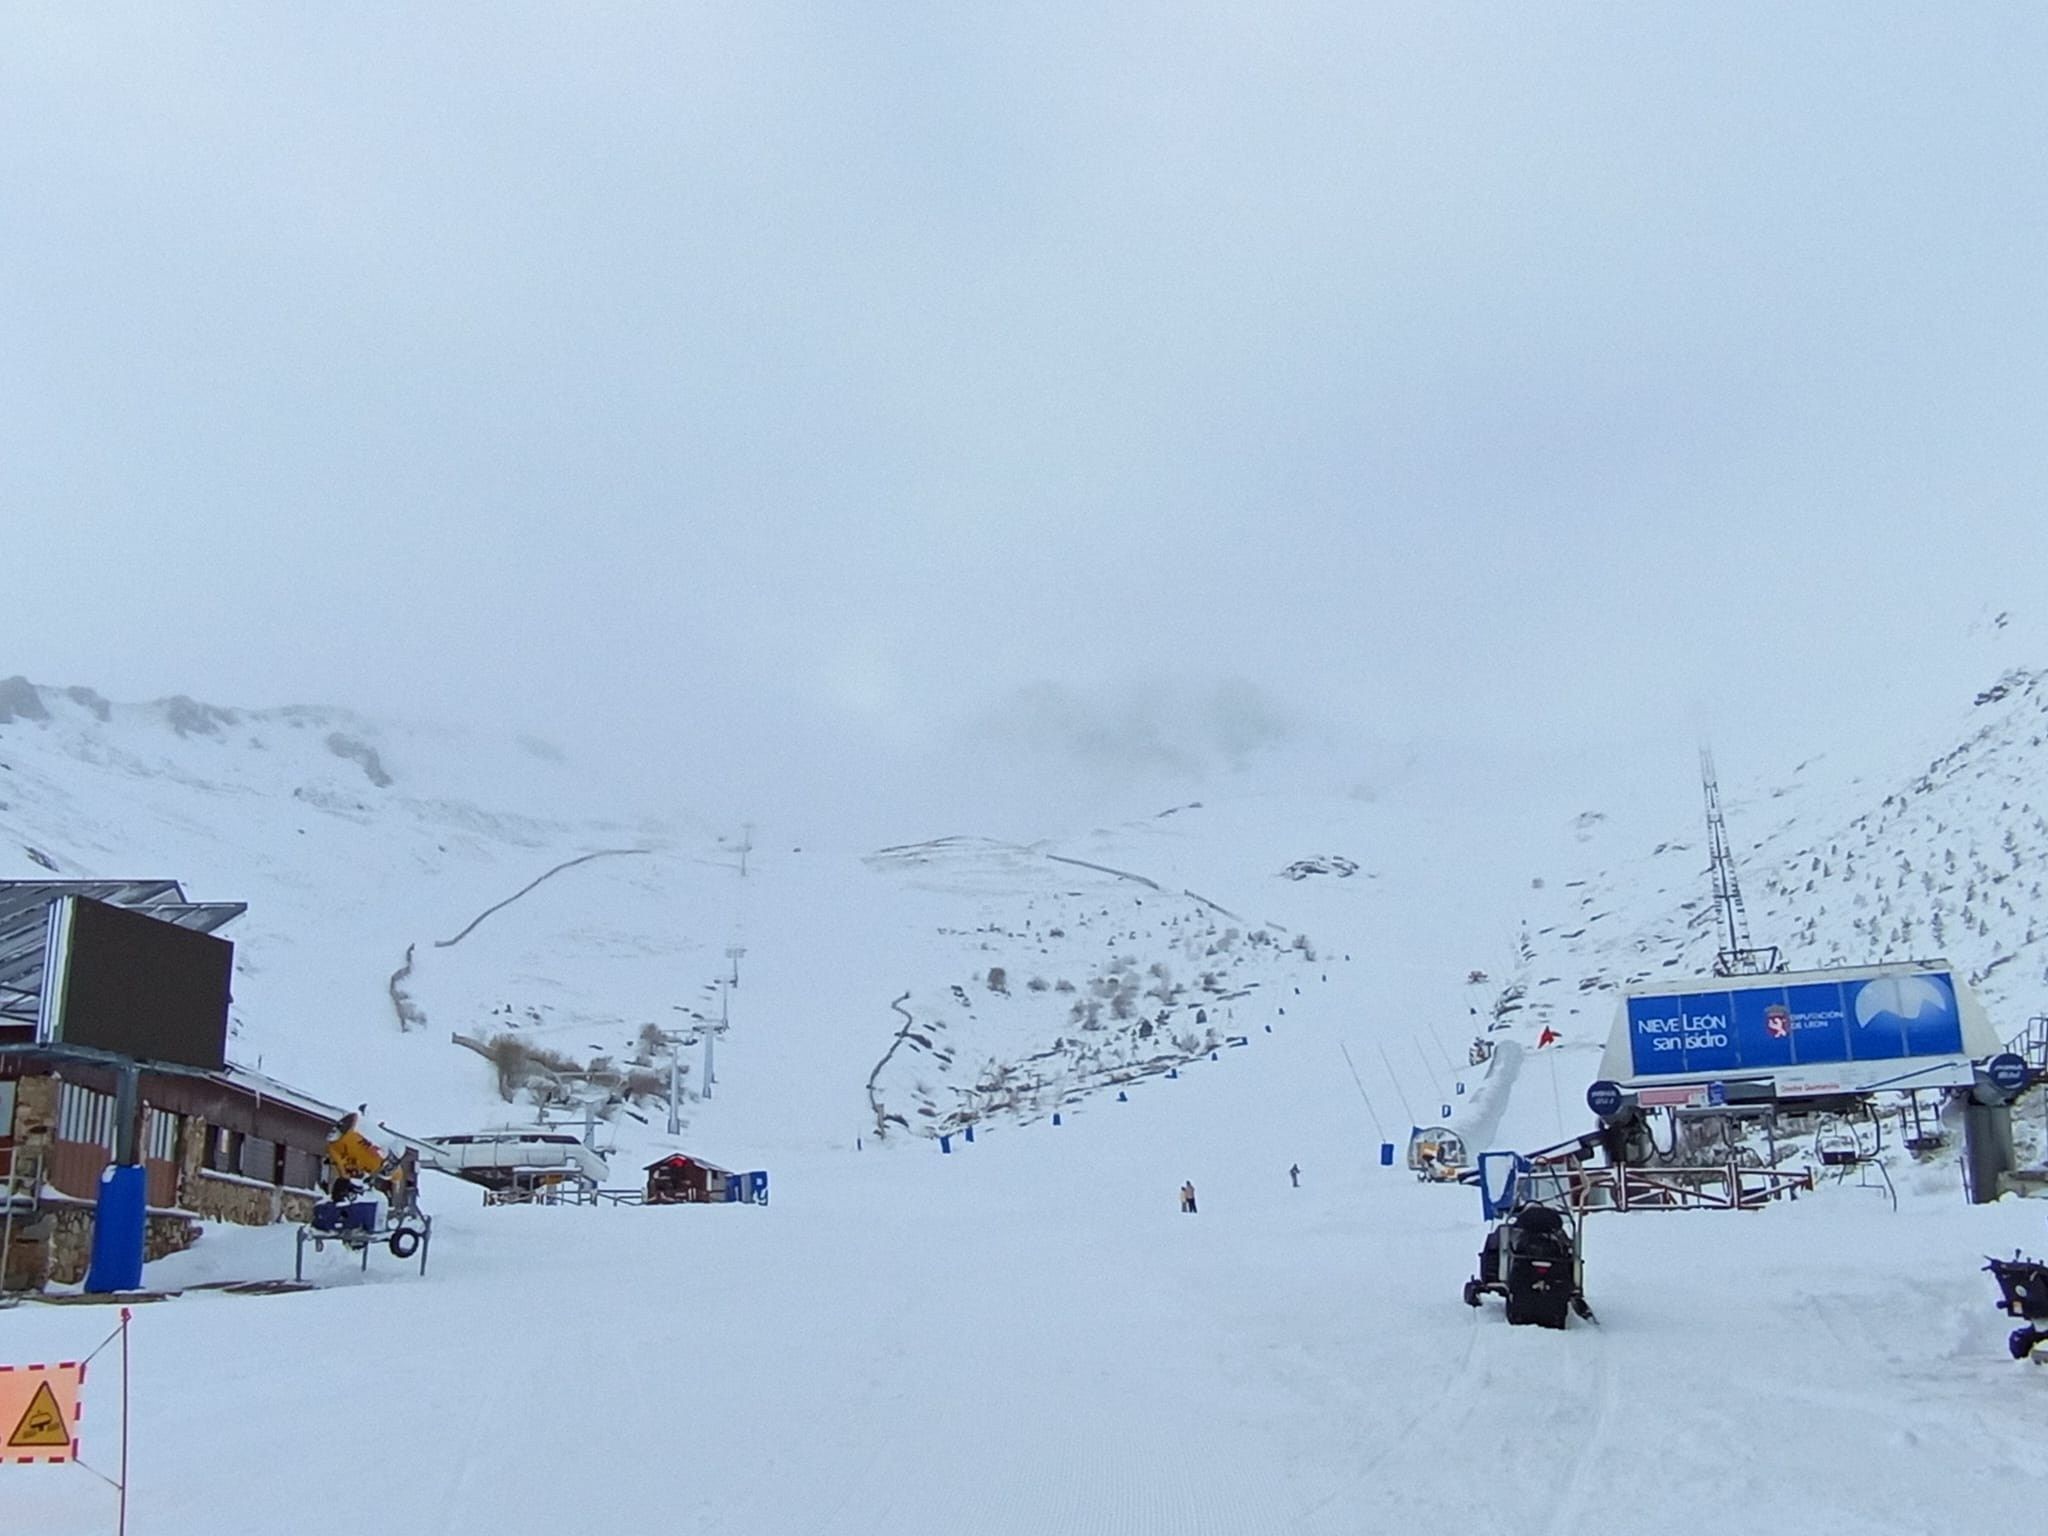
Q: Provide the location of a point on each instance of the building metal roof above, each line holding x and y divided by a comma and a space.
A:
684, 1160
24, 919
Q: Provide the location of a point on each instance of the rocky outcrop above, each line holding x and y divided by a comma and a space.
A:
362, 754
20, 699
189, 717
86, 698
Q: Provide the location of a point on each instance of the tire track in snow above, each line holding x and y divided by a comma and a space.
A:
1456, 1389
874, 1100
405, 1007
1568, 1514
1144, 880
583, 858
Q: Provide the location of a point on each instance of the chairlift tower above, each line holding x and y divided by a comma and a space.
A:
710, 1030
1737, 956
676, 1040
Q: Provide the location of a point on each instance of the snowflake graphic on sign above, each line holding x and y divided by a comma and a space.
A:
1903, 997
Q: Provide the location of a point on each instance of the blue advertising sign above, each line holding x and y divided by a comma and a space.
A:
1604, 1098
2008, 1073
1759, 1025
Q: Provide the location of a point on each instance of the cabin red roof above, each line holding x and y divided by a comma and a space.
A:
679, 1160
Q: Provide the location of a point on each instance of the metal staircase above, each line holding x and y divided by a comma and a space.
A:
2031, 1045
21, 1188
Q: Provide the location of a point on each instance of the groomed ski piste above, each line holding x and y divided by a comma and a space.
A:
1024, 1334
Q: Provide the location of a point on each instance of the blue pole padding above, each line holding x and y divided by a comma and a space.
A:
1055, 1117
1122, 1097
1386, 1154
945, 1143
968, 1133
119, 1223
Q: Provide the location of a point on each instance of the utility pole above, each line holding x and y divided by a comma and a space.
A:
746, 846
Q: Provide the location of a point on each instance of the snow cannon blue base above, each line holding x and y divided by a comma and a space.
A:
350, 1216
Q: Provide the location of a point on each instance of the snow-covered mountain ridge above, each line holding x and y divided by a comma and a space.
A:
1948, 859
407, 885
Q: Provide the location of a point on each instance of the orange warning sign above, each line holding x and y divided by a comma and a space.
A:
39, 1411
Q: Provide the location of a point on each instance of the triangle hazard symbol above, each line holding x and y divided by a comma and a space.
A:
42, 1425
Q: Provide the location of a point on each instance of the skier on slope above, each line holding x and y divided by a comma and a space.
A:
1294, 1175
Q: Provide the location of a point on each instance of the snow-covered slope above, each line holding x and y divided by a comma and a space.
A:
352, 843
409, 885
1024, 1334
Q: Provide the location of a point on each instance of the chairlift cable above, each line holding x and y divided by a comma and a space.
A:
1428, 1072
1399, 1092
1379, 1129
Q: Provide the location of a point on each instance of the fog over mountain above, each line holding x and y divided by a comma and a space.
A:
776, 393
1095, 600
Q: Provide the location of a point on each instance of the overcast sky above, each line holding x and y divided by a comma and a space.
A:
912, 366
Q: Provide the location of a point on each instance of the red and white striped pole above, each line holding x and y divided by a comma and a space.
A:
121, 1529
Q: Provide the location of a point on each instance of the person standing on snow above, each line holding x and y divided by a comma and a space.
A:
1294, 1175
1187, 1197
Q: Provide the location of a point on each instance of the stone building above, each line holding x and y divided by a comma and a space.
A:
114, 998
218, 1146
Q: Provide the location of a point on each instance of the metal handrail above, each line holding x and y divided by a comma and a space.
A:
1726, 1186
2031, 1043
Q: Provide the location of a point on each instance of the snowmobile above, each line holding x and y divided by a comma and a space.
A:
2023, 1284
1530, 1259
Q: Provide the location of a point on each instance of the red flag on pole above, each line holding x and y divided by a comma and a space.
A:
1548, 1037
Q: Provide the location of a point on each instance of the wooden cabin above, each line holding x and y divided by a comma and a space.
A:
680, 1180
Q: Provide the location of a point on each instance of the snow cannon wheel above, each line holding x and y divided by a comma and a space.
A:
404, 1243
2021, 1341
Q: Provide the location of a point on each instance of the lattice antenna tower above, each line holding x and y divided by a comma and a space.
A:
1737, 957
